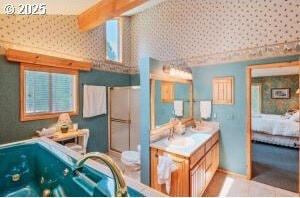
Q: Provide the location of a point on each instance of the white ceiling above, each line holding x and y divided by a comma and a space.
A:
275, 71
72, 7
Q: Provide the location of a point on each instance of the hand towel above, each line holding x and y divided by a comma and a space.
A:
46, 132
178, 108
164, 170
94, 101
205, 109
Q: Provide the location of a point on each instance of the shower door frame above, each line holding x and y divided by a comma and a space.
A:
110, 149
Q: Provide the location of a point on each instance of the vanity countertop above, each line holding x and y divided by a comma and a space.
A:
198, 138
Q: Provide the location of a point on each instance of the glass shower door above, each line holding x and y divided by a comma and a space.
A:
120, 119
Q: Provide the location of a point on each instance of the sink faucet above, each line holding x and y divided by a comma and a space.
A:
120, 185
171, 133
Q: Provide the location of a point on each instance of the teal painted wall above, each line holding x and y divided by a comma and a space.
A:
232, 118
135, 79
144, 66
11, 129
278, 106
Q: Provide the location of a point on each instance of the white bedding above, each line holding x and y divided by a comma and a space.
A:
275, 125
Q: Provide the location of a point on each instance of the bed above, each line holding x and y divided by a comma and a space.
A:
276, 129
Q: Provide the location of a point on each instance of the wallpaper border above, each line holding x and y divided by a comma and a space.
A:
262, 52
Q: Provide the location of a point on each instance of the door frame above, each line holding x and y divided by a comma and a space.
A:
248, 117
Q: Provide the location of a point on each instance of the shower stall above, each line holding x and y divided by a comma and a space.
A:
124, 118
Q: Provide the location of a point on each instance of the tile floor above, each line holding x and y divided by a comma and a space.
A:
223, 185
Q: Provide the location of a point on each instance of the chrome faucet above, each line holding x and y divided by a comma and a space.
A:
120, 185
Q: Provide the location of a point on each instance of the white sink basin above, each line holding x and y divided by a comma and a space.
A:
180, 142
202, 129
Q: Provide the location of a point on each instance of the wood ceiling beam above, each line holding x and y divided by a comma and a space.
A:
103, 11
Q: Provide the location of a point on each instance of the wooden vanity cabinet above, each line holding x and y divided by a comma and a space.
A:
179, 181
193, 173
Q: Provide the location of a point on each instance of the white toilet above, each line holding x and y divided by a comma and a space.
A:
131, 159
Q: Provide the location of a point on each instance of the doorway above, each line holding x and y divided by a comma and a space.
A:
272, 132
124, 119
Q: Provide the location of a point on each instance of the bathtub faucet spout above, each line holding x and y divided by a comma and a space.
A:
120, 185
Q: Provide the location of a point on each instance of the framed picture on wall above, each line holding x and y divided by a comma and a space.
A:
280, 93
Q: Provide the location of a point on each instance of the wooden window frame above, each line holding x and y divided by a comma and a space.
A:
121, 51
42, 68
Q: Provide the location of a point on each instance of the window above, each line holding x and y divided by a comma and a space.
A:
256, 98
47, 91
113, 41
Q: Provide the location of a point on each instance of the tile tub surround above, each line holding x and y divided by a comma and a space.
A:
145, 190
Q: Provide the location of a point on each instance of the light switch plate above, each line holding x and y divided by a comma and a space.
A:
214, 115
229, 116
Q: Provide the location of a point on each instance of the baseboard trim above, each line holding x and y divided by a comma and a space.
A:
232, 173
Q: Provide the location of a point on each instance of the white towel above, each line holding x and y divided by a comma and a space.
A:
178, 107
164, 170
46, 132
94, 101
205, 109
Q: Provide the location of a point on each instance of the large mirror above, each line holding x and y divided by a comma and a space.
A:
170, 98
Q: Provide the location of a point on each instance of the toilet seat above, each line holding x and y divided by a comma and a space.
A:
130, 158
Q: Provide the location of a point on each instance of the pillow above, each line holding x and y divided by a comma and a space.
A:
296, 116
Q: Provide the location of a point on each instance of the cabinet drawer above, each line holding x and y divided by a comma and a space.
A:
197, 156
208, 145
215, 138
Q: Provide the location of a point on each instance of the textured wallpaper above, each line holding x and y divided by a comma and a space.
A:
200, 32
278, 106
183, 32
59, 36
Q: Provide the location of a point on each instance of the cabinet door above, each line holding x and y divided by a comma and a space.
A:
223, 88
197, 176
215, 156
179, 178
167, 91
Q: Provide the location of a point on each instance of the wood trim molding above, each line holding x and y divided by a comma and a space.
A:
168, 78
232, 173
153, 78
105, 10
169, 125
26, 66
275, 65
40, 59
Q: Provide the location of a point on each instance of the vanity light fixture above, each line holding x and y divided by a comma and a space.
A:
178, 72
